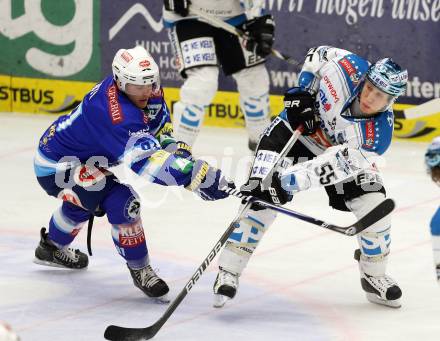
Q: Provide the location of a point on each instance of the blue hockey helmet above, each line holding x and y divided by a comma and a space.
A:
388, 76
432, 155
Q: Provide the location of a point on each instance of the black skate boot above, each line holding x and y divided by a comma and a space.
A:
225, 287
380, 289
48, 254
150, 283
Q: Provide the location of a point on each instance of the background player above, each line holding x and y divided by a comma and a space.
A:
344, 105
122, 119
201, 48
432, 161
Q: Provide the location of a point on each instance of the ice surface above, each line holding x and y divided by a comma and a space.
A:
302, 283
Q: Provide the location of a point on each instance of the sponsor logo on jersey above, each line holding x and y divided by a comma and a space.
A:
350, 69
49, 134
325, 104
369, 135
151, 111
131, 235
331, 88
114, 107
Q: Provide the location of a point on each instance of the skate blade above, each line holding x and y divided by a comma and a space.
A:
161, 299
220, 300
55, 265
389, 303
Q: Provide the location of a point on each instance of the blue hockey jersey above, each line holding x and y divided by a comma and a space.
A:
108, 128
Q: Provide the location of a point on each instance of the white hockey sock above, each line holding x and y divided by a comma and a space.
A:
256, 114
253, 86
188, 120
244, 240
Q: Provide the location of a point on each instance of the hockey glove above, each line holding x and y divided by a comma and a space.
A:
183, 150
178, 148
260, 35
269, 190
207, 181
180, 7
301, 109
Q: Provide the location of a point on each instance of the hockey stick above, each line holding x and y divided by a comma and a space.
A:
237, 32
429, 108
117, 333
377, 213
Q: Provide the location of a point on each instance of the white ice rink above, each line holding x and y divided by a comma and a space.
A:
302, 283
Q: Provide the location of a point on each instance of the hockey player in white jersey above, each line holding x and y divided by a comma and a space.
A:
201, 48
344, 105
432, 162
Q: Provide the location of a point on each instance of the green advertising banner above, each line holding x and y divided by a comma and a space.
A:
50, 39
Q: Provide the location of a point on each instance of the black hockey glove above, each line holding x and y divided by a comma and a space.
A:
270, 190
180, 7
260, 35
301, 109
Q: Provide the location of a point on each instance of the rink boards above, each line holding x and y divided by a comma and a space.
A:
49, 96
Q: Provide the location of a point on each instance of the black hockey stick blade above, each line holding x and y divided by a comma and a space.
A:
376, 214
116, 333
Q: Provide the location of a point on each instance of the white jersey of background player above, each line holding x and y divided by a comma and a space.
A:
344, 104
201, 48
432, 161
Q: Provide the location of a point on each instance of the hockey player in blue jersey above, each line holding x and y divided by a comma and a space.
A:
122, 119
432, 162
345, 107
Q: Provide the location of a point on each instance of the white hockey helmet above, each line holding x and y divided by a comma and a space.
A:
135, 66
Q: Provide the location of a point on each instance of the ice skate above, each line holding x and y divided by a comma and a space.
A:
48, 254
150, 283
225, 287
380, 289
